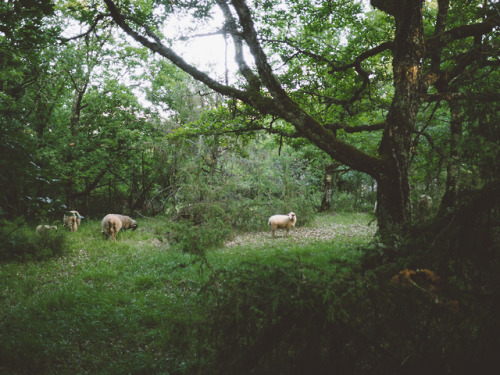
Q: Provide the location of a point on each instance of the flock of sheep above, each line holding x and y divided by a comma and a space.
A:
112, 223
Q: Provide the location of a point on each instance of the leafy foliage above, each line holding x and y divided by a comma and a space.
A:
23, 245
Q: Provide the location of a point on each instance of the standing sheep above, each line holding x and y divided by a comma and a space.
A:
112, 223
43, 228
72, 219
282, 221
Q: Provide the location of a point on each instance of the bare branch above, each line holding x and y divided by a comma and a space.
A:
431, 142
365, 55
86, 33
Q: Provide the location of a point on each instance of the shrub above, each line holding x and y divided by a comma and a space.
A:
20, 243
349, 202
199, 228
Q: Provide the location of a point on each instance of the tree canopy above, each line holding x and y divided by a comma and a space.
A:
322, 67
403, 92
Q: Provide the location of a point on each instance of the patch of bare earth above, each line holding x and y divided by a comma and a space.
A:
315, 233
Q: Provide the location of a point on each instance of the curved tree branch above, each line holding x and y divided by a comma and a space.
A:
365, 55
460, 32
86, 33
154, 44
276, 102
230, 27
355, 129
485, 96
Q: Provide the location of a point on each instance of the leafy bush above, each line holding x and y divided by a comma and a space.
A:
289, 319
19, 243
348, 202
199, 228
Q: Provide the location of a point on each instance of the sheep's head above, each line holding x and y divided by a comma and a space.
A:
133, 224
292, 217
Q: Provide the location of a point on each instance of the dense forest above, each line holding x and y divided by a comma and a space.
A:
204, 118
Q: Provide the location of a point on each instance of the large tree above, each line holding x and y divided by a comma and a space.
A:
414, 38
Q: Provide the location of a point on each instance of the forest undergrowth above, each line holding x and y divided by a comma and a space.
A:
140, 306
306, 303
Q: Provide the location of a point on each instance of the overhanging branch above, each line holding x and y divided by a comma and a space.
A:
449, 96
362, 57
355, 129
460, 32
154, 44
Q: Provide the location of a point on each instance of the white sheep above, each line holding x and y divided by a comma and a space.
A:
282, 221
43, 228
112, 223
72, 219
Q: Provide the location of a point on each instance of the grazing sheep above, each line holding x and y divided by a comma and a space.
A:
43, 228
72, 220
112, 223
282, 221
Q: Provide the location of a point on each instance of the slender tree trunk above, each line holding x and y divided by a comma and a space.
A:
76, 109
453, 167
328, 184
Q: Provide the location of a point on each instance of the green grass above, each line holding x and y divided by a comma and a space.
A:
139, 306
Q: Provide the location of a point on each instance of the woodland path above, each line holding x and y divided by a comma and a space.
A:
324, 228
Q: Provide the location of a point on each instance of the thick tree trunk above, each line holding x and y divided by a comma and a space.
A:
393, 193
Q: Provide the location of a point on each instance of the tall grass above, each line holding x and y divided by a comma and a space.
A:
138, 305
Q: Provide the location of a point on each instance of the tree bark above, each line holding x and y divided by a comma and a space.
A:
393, 191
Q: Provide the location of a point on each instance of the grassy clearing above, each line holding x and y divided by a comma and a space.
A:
139, 306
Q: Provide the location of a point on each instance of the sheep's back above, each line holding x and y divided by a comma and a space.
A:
111, 221
279, 221
127, 222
